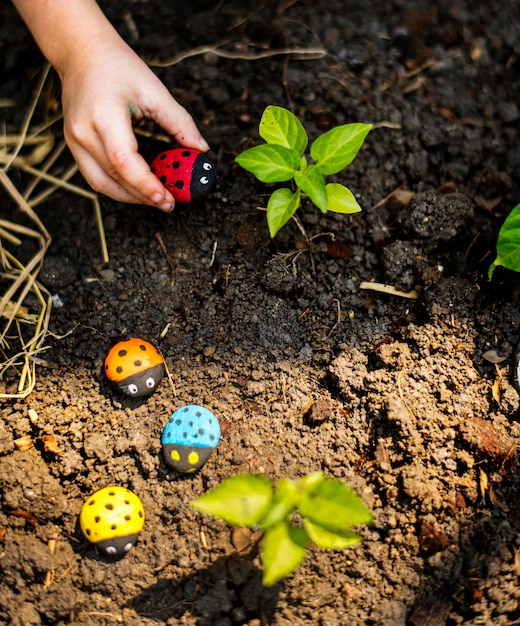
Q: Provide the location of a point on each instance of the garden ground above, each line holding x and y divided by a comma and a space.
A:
410, 400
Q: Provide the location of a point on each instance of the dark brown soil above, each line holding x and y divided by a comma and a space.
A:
304, 369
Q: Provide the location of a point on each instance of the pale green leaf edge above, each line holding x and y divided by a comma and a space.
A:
280, 212
278, 124
246, 490
508, 243
284, 548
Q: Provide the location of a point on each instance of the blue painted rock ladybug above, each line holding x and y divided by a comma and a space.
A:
188, 174
112, 519
189, 437
135, 367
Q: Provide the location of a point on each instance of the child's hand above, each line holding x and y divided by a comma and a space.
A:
101, 97
106, 86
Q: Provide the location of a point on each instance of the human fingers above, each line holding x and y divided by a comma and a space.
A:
108, 157
177, 122
101, 181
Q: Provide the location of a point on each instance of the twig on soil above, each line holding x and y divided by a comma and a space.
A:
165, 330
286, 5
304, 53
243, 20
343, 84
473, 242
390, 195
295, 254
339, 320
389, 289
170, 378
213, 253
285, 82
49, 577
167, 257
421, 68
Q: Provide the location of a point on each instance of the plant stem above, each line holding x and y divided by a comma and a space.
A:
308, 241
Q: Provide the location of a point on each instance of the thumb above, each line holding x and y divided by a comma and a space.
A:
178, 123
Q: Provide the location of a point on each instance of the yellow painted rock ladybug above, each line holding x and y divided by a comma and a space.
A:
112, 519
135, 367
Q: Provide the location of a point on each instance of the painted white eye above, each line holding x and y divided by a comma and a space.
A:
128, 546
204, 180
150, 383
111, 550
133, 389
207, 166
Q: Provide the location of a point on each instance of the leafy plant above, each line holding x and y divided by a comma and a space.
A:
282, 159
508, 243
326, 506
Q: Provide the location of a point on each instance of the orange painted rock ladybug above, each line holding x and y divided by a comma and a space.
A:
188, 174
135, 367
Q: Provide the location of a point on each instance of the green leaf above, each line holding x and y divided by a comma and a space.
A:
240, 500
328, 539
284, 548
311, 182
340, 199
281, 207
338, 147
279, 126
334, 505
508, 243
285, 499
310, 481
270, 164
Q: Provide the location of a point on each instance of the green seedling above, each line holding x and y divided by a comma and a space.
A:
314, 508
282, 158
508, 243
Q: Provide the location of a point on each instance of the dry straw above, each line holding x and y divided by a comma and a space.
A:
25, 305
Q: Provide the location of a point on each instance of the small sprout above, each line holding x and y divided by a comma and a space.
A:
327, 507
508, 243
282, 159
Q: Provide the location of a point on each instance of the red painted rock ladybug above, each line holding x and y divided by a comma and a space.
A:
135, 367
188, 174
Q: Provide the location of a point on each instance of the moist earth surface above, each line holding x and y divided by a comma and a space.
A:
408, 396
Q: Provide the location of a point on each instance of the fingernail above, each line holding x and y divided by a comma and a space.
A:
167, 207
204, 144
157, 198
